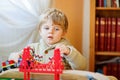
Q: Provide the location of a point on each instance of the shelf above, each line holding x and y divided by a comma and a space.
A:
107, 12
105, 8
108, 53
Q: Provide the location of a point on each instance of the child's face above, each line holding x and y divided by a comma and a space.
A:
51, 33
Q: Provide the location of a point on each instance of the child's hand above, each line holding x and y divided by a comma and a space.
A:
63, 49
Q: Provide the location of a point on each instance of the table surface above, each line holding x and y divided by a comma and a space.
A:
15, 74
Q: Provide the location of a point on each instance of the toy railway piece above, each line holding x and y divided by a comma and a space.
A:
29, 64
9, 64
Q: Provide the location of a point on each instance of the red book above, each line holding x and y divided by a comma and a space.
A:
113, 34
118, 35
100, 3
114, 3
105, 35
97, 33
109, 69
102, 34
114, 69
108, 41
105, 69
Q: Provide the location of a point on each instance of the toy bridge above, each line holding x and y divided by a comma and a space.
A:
29, 64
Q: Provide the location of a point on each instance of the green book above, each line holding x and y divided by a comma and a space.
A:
9, 79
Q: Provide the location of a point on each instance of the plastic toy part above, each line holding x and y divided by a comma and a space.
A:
29, 64
9, 64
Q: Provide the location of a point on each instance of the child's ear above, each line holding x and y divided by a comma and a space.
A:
63, 35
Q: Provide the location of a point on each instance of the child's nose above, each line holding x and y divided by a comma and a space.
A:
51, 30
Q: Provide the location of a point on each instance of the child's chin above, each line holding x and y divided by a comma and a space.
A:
51, 43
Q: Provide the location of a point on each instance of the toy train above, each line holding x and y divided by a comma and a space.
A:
10, 64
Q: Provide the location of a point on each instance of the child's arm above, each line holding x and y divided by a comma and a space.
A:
16, 55
73, 56
63, 49
76, 59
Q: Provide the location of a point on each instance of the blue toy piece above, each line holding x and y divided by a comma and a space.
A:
91, 77
0, 70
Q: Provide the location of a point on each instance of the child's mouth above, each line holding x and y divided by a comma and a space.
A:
50, 37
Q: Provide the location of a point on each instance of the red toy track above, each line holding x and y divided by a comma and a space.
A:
29, 64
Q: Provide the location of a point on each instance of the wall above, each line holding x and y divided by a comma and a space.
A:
74, 11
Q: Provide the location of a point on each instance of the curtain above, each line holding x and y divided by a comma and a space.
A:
18, 24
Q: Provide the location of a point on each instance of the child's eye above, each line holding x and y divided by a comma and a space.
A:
46, 28
56, 29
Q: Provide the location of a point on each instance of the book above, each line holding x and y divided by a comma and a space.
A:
117, 2
108, 3
118, 35
108, 41
102, 34
105, 69
114, 3
105, 3
97, 34
114, 69
113, 34
100, 3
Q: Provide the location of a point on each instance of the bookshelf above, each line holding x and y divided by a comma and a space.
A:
94, 12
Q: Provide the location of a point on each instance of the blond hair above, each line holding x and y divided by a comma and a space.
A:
57, 16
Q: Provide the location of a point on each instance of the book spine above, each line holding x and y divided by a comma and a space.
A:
114, 69
108, 41
114, 3
105, 69
109, 3
100, 3
97, 33
109, 69
113, 34
106, 35
105, 3
118, 35
102, 34
117, 2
